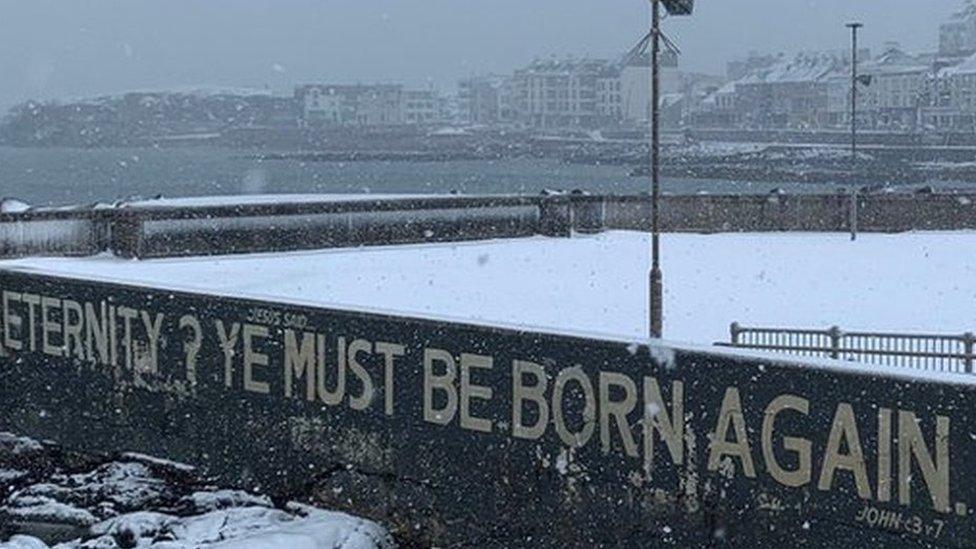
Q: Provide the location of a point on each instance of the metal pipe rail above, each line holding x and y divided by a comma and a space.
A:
935, 352
148, 230
67, 232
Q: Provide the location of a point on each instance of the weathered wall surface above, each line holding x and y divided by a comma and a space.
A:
458, 434
878, 212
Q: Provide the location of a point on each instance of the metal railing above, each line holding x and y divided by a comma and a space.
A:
934, 352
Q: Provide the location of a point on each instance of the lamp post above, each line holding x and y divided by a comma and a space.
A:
674, 7
854, 26
656, 275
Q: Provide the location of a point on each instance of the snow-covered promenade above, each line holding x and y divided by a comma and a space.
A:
900, 282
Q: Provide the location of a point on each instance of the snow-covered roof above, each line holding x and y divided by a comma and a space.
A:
671, 99
968, 66
727, 89
568, 66
804, 67
894, 61
448, 131
208, 91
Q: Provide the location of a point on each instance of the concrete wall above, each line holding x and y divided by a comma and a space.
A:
456, 435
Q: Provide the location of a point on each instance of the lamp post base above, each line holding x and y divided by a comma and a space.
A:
657, 302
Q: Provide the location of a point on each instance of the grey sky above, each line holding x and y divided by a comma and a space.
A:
68, 48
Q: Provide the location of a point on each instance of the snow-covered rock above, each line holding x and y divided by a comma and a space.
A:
134, 500
11, 444
23, 542
43, 509
223, 499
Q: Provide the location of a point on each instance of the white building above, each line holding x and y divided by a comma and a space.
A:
324, 105
562, 94
896, 91
420, 107
951, 98
717, 109
609, 97
367, 105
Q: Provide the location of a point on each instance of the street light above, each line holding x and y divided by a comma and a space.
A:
854, 26
674, 7
679, 7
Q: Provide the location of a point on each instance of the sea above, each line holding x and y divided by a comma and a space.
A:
68, 176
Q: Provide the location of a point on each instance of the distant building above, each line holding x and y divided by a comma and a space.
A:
895, 94
951, 98
150, 116
609, 100
344, 105
717, 109
958, 37
792, 93
325, 105
813, 90
839, 100
420, 107
486, 100
898, 91
583, 93
563, 94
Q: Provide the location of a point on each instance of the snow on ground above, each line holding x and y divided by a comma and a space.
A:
915, 282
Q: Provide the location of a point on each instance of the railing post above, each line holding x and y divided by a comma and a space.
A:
835, 335
968, 339
125, 233
735, 330
555, 216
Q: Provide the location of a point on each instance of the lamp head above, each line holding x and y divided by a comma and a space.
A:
679, 7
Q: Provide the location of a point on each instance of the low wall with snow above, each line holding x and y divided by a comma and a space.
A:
454, 433
204, 227
871, 212
221, 226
